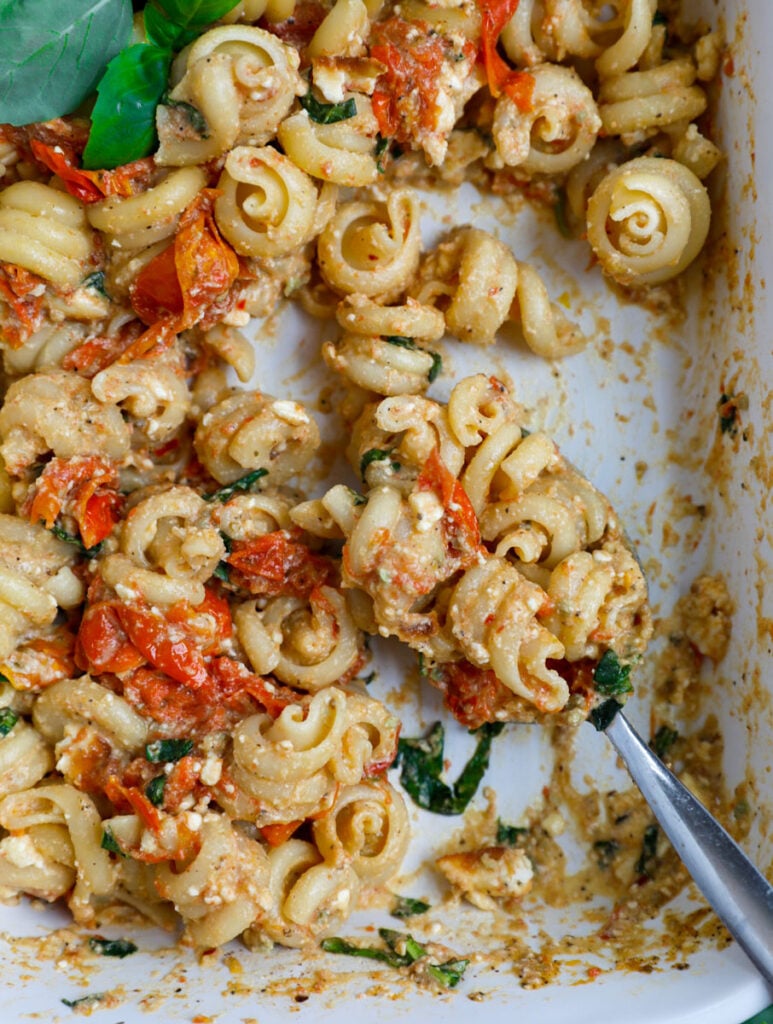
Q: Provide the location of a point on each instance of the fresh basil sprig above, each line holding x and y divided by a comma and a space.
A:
123, 122
421, 761
73, 38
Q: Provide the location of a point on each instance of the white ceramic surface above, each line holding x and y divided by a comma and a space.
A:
594, 404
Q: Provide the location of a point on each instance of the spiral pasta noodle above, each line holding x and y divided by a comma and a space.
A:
648, 220
342, 153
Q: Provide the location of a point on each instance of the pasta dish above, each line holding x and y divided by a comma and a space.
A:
184, 626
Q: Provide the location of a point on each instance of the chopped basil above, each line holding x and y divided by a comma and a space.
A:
437, 366
154, 790
664, 739
405, 906
167, 750
194, 116
611, 677
559, 212
244, 483
508, 835
70, 538
112, 947
85, 1001
601, 716
659, 18
110, 843
645, 864
97, 282
401, 341
421, 761
357, 498
606, 851
328, 113
8, 719
382, 147
221, 572
447, 974
376, 455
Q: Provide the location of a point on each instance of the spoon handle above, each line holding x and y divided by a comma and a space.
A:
738, 892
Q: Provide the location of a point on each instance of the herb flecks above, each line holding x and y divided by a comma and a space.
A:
240, 486
328, 113
402, 950
377, 455
611, 677
8, 719
421, 763
161, 751
601, 716
405, 906
645, 866
111, 947
728, 407
508, 835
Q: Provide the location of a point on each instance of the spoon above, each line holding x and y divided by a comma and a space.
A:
738, 892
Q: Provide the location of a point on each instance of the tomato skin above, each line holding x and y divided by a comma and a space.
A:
25, 314
181, 781
175, 655
233, 678
102, 644
460, 522
279, 833
174, 290
518, 85
279, 563
472, 694
83, 487
92, 186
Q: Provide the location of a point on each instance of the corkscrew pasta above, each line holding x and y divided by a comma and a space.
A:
185, 602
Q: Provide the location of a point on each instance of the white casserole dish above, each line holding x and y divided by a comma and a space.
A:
651, 395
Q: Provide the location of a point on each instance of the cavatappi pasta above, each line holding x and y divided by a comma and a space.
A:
184, 727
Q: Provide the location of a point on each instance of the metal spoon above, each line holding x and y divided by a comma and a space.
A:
738, 892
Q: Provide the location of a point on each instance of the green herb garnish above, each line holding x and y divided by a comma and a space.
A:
437, 366
729, 406
376, 455
645, 864
447, 974
357, 498
559, 212
382, 147
222, 572
154, 790
110, 843
244, 483
112, 947
405, 906
421, 762
403, 342
664, 739
70, 538
611, 677
8, 719
328, 113
194, 116
84, 1001
508, 835
76, 38
97, 282
659, 18
167, 750
606, 851
601, 716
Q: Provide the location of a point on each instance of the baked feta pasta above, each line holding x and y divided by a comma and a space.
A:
184, 725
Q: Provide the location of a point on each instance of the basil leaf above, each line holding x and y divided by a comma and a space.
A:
221, 572
601, 716
165, 33
664, 739
195, 118
611, 677
85, 1001
110, 843
508, 835
70, 538
154, 790
645, 865
338, 945
195, 13
112, 947
403, 342
8, 719
382, 146
559, 212
123, 122
97, 282
606, 851
448, 974
413, 950
421, 761
71, 39
437, 366
404, 906
328, 113
167, 750
242, 484
376, 455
